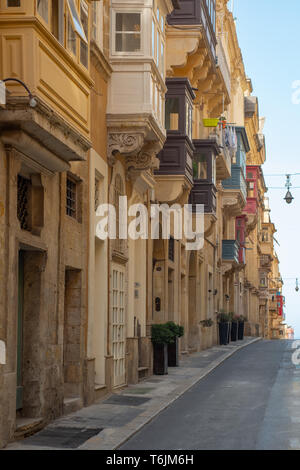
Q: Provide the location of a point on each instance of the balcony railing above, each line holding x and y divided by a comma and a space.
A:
222, 63
218, 135
230, 250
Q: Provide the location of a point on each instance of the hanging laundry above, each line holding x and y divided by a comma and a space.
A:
227, 136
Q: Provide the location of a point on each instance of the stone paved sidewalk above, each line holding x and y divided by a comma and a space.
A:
106, 425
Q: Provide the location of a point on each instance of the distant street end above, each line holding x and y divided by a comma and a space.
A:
2, 353
2, 94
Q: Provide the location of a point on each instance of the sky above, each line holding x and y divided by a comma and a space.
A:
268, 32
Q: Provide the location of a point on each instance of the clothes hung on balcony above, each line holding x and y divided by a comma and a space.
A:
231, 137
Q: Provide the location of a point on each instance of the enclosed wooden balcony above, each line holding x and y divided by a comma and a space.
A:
230, 251
235, 187
175, 172
45, 45
196, 12
224, 156
204, 175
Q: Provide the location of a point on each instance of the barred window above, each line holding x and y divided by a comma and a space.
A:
118, 192
23, 209
71, 200
97, 193
171, 249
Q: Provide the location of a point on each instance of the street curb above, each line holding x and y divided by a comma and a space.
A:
212, 367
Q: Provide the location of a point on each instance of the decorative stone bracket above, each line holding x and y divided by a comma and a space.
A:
140, 156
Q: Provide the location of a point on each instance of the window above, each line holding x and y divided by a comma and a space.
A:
43, 9
71, 36
171, 249
13, 3
68, 21
200, 167
263, 282
189, 120
97, 23
158, 39
84, 16
97, 192
23, 204
75, 19
128, 32
57, 20
71, 199
118, 192
172, 114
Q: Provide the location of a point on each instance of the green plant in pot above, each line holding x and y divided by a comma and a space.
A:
161, 337
241, 327
173, 348
223, 323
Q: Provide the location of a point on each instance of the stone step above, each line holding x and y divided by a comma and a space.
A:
143, 373
25, 427
100, 391
72, 404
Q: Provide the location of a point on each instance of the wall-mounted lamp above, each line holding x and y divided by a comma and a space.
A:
32, 100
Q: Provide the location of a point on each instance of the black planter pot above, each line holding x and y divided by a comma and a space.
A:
160, 359
234, 331
241, 329
223, 333
229, 332
173, 354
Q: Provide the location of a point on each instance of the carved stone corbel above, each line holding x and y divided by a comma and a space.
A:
145, 159
125, 143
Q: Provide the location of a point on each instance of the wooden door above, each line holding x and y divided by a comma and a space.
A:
118, 324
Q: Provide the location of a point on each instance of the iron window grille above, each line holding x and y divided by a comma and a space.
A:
23, 212
71, 199
171, 249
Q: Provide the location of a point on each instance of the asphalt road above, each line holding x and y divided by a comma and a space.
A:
251, 401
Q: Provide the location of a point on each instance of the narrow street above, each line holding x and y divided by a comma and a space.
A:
250, 402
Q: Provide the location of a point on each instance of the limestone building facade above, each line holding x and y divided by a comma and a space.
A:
107, 100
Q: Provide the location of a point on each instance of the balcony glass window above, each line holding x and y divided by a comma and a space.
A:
71, 36
158, 38
84, 16
189, 120
76, 21
200, 167
43, 9
128, 32
58, 19
172, 114
153, 38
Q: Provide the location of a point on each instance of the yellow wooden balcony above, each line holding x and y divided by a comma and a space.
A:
45, 44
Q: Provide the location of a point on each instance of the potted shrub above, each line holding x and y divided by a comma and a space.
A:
234, 328
161, 337
223, 321
241, 327
173, 348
